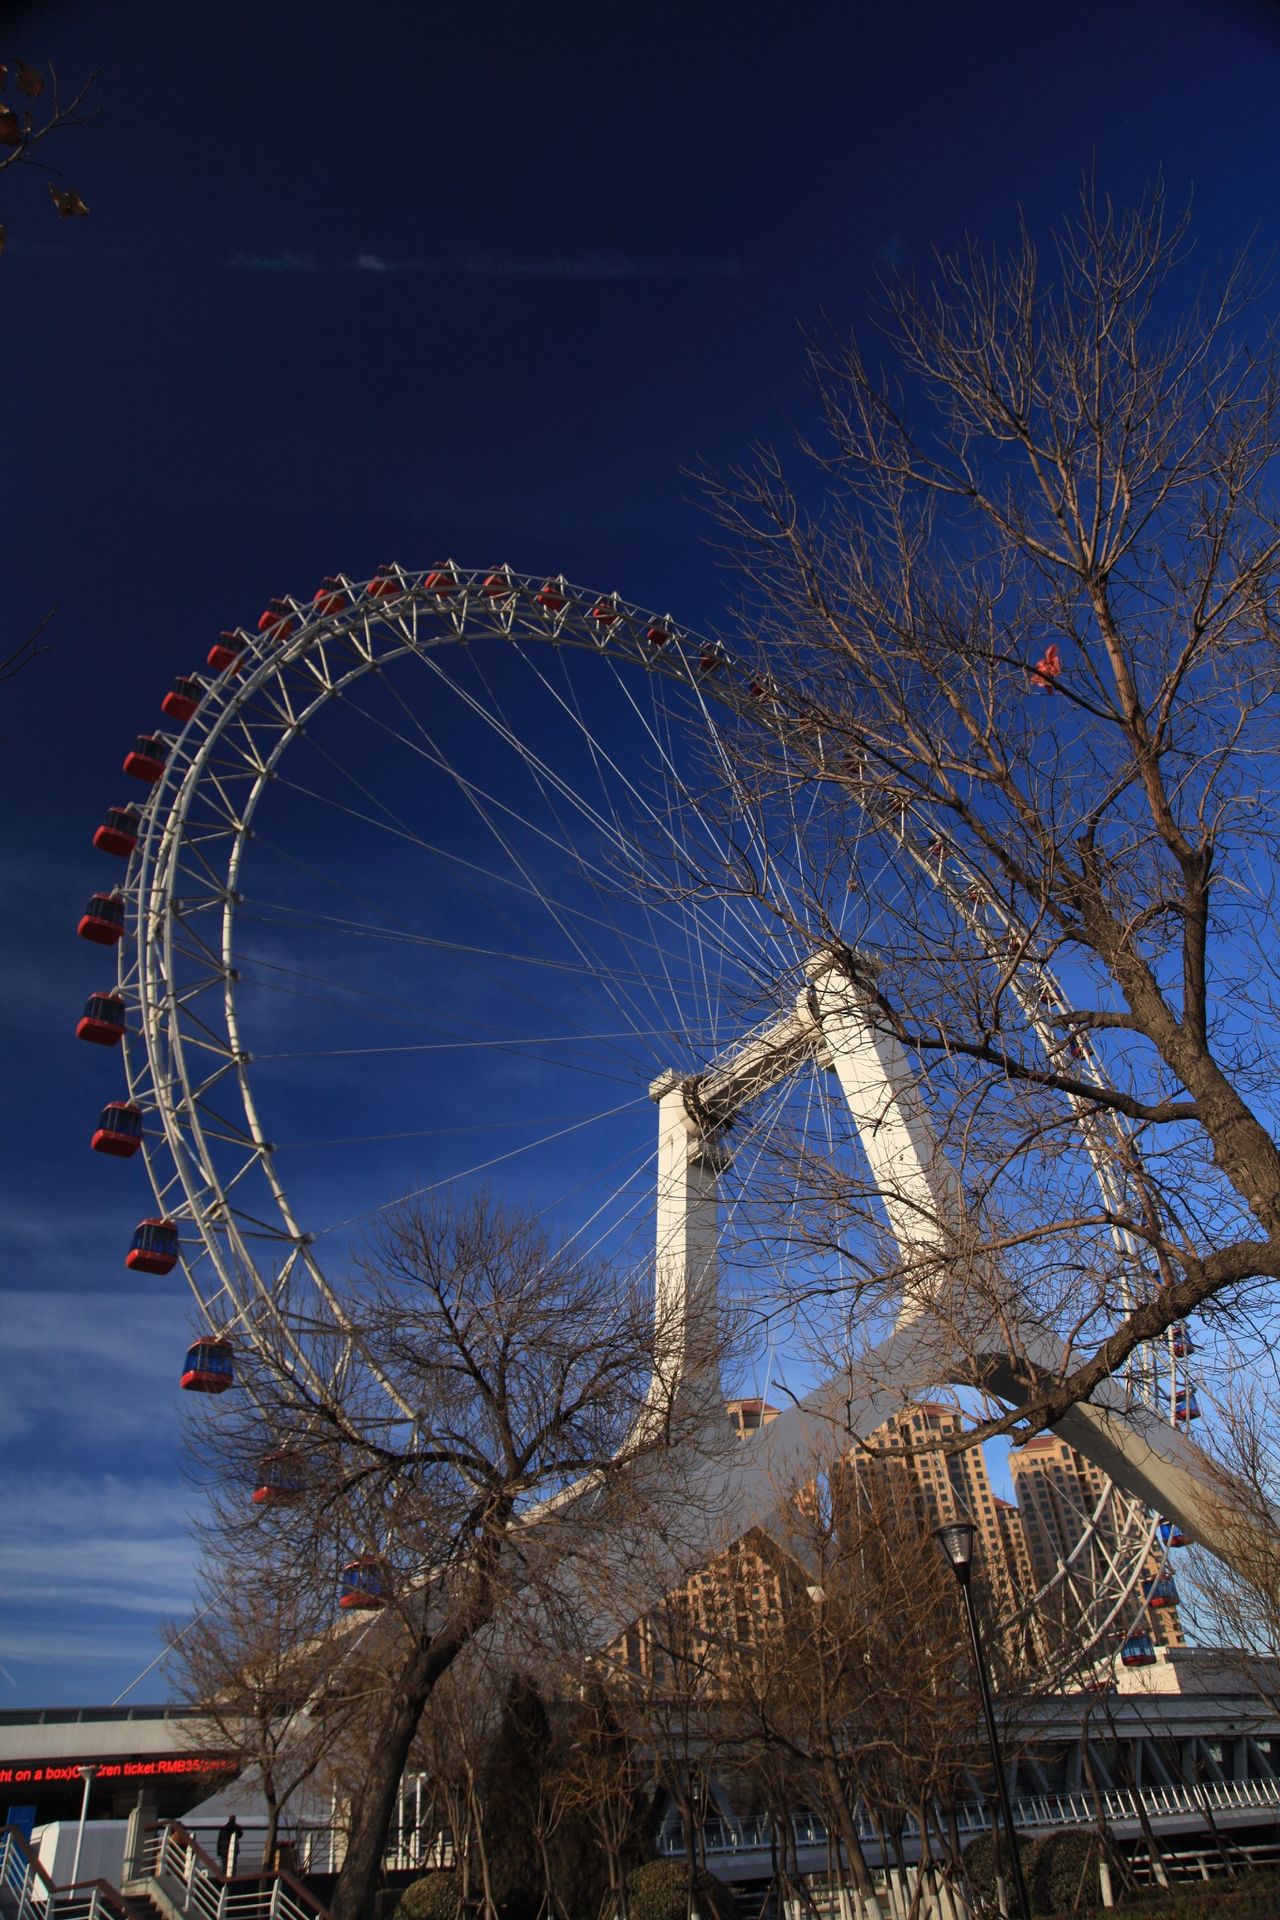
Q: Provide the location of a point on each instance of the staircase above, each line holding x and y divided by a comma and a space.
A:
171, 1878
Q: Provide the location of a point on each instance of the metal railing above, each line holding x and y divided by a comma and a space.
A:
1031, 1812
27, 1892
195, 1884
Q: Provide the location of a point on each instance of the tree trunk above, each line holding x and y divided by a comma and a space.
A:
850, 1840
371, 1817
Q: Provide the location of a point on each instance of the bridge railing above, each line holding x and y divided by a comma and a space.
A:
1030, 1812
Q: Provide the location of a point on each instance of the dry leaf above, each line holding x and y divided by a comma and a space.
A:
10, 128
28, 81
67, 201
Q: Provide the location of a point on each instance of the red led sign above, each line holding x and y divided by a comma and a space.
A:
176, 1767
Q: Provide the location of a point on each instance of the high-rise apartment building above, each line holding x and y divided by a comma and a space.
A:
1060, 1494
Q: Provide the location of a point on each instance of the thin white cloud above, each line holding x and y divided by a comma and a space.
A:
104, 1363
496, 266
101, 1542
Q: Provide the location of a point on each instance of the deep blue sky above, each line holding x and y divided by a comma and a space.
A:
394, 281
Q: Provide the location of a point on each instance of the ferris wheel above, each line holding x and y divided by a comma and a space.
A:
440, 878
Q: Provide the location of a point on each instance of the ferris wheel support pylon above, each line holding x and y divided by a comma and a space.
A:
947, 1333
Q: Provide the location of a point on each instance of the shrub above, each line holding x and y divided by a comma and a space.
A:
437, 1896
659, 1890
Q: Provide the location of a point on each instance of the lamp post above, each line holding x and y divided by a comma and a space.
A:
87, 1775
956, 1539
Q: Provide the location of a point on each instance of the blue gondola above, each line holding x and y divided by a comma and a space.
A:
118, 833
1169, 1534
119, 1130
1160, 1592
154, 1248
282, 1479
1138, 1651
102, 920
1185, 1405
210, 1367
363, 1584
1180, 1340
102, 1021
146, 758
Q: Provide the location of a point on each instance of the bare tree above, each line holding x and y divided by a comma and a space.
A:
32, 109
1018, 670
257, 1661
467, 1442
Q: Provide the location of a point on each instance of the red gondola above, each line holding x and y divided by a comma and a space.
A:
497, 585
709, 661
281, 1479
226, 652
118, 833
210, 1367
329, 597
441, 582
658, 636
276, 620
606, 613
154, 1248
119, 1130
551, 596
102, 920
385, 584
145, 760
1138, 1651
102, 1021
183, 698
363, 1584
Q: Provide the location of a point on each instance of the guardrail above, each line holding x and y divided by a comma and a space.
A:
195, 1884
27, 1892
1031, 1812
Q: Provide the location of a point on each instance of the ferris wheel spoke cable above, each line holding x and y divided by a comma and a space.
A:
482, 1166
434, 754
625, 840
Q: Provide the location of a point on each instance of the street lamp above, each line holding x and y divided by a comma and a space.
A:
87, 1775
956, 1538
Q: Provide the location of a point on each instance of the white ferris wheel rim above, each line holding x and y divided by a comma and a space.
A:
176, 1073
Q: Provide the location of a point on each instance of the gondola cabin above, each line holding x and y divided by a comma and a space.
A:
1180, 1341
1138, 1651
281, 1480
118, 833
440, 582
551, 596
363, 1584
154, 1248
330, 597
102, 920
1169, 1534
1162, 1592
385, 584
119, 1130
102, 1021
145, 759
275, 620
182, 698
210, 1367
606, 613
225, 654
1185, 1405
658, 636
